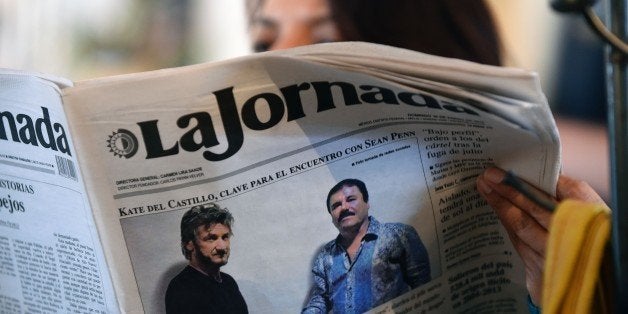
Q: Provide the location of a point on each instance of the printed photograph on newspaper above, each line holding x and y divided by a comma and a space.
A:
289, 216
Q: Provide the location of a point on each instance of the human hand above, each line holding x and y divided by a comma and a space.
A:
526, 222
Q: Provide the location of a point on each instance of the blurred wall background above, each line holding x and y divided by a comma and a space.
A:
80, 39
85, 39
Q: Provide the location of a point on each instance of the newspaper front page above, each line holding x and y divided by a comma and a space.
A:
267, 136
51, 260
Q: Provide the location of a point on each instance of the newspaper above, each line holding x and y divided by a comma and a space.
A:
51, 260
267, 136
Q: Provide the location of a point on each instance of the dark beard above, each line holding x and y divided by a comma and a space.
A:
205, 260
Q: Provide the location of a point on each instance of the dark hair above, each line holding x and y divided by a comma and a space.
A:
202, 215
462, 29
251, 8
348, 182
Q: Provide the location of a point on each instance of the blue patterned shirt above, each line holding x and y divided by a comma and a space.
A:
391, 260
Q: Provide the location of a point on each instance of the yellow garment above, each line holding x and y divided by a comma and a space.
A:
579, 235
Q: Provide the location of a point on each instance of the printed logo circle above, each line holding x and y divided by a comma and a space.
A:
122, 143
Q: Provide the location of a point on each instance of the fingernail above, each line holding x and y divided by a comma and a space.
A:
483, 187
494, 175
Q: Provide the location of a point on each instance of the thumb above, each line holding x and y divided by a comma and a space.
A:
576, 189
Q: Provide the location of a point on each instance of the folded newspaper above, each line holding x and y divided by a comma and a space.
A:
304, 147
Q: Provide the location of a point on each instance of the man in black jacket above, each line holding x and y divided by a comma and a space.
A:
201, 287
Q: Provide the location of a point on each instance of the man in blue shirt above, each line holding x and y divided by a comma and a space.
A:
369, 262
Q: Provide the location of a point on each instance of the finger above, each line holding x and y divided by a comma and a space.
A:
529, 242
493, 177
532, 259
534, 264
520, 225
575, 189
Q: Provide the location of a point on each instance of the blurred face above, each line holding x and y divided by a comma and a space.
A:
281, 24
348, 209
210, 248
